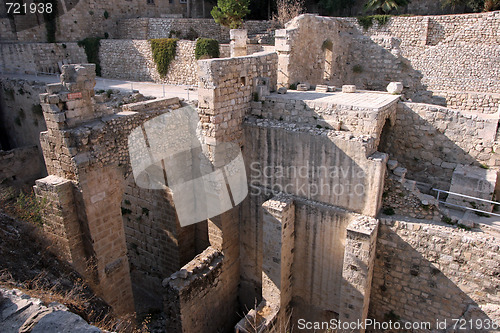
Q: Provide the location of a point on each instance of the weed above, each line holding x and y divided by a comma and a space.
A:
446, 219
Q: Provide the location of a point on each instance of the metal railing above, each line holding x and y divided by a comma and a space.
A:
468, 197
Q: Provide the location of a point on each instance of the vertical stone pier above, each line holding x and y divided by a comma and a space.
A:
278, 244
238, 44
274, 312
357, 272
84, 192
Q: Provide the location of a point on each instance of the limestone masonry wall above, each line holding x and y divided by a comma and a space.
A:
133, 60
20, 113
21, 166
426, 271
427, 53
84, 18
226, 89
34, 58
337, 164
430, 140
148, 28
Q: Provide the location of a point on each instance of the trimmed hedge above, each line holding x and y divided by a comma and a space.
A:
163, 53
206, 48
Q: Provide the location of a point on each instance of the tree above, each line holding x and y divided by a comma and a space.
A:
287, 10
384, 6
230, 13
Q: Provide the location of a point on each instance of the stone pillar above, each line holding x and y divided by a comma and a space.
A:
357, 271
283, 49
274, 312
60, 219
238, 42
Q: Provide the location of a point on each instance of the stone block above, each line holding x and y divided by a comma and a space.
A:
321, 88
303, 87
475, 182
400, 171
395, 88
392, 164
282, 90
348, 88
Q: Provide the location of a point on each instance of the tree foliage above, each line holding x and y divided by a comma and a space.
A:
163, 53
287, 10
230, 13
206, 48
385, 6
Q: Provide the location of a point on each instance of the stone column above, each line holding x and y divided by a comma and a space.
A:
238, 42
283, 49
357, 271
60, 219
278, 244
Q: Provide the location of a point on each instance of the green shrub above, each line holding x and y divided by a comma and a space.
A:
106, 14
91, 46
446, 220
163, 53
365, 21
206, 48
381, 19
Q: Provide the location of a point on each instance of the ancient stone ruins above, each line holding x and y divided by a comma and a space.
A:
345, 133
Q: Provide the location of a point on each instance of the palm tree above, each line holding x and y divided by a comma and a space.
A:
384, 6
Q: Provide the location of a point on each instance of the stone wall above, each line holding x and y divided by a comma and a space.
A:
226, 87
20, 113
335, 167
426, 271
157, 245
148, 28
320, 235
454, 53
20, 167
34, 58
94, 156
430, 140
84, 18
355, 119
133, 60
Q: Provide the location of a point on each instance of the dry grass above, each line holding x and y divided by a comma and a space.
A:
28, 262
